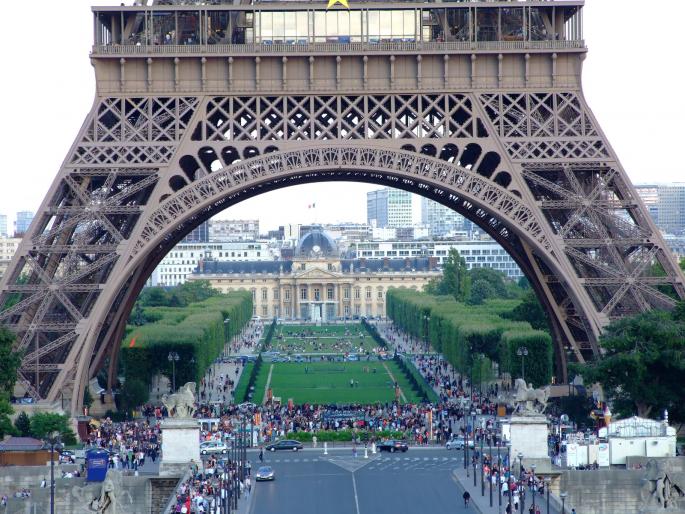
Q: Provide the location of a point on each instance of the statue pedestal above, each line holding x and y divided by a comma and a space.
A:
529, 437
180, 444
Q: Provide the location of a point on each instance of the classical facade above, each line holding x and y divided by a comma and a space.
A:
317, 285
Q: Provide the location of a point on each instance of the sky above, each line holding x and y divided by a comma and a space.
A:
633, 81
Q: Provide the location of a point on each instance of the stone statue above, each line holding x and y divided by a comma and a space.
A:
527, 400
113, 498
660, 490
182, 403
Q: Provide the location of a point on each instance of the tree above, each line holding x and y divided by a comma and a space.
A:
45, 423
644, 365
23, 424
682, 263
6, 410
9, 361
134, 393
493, 277
530, 310
480, 291
455, 277
196, 291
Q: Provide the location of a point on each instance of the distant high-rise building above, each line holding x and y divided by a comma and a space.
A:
233, 230
389, 208
441, 220
3, 225
649, 193
24, 219
671, 215
199, 234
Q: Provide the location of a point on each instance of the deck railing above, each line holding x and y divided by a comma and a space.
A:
342, 48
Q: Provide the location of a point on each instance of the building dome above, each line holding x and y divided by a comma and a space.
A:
317, 243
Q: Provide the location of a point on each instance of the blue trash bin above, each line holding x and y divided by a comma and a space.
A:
96, 465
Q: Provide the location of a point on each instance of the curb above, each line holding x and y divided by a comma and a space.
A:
473, 504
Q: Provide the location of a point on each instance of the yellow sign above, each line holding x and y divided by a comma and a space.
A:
331, 3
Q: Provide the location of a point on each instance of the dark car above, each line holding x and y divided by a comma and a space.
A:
285, 444
392, 446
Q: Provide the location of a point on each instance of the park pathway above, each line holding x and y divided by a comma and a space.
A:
404, 398
268, 384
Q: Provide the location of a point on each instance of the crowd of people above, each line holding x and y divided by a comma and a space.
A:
129, 444
206, 488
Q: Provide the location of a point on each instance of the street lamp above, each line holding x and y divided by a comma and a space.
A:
482, 467
523, 353
173, 359
499, 473
532, 466
520, 456
548, 482
226, 322
53, 439
426, 319
563, 496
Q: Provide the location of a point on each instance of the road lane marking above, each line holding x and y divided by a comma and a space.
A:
356, 498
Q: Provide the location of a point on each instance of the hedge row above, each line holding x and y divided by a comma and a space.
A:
197, 333
240, 392
373, 332
417, 380
461, 332
344, 435
266, 342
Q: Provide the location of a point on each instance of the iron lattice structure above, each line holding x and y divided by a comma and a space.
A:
499, 132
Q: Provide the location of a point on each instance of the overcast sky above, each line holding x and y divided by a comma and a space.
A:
632, 80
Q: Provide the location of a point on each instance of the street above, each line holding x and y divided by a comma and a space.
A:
309, 482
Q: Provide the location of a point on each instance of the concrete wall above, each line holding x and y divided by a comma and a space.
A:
603, 491
139, 495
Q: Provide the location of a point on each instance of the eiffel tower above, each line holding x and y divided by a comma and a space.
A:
200, 105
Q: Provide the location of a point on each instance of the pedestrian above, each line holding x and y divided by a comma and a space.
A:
261, 454
43, 483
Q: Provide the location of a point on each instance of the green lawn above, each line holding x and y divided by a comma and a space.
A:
324, 339
329, 382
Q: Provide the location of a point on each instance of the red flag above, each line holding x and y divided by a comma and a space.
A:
132, 343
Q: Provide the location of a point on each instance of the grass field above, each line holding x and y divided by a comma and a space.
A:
294, 339
329, 382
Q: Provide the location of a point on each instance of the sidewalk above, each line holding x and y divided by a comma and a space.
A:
481, 504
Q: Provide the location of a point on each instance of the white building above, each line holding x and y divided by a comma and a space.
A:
478, 254
8, 247
233, 230
389, 207
440, 220
3, 225
182, 260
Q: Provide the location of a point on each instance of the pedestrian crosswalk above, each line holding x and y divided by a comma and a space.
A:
376, 462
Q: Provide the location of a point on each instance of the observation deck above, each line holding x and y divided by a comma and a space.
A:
220, 36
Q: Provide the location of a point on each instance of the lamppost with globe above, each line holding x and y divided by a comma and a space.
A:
523, 503
226, 322
53, 439
532, 466
173, 359
548, 482
523, 353
563, 496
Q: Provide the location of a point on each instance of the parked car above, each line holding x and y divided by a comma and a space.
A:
284, 444
264, 473
209, 447
392, 446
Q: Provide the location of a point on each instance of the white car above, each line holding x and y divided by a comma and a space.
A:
209, 447
458, 444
